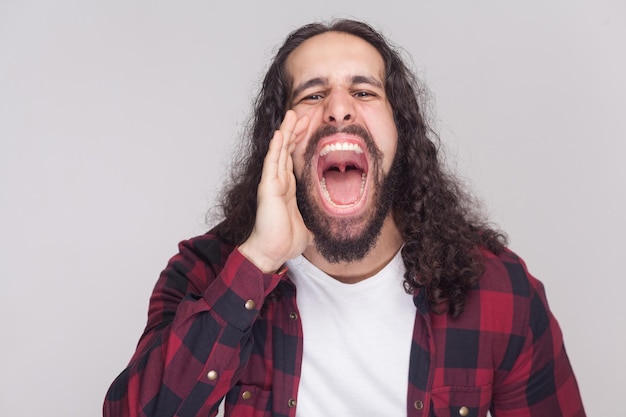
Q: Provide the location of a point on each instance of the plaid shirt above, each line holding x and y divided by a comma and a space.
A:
215, 331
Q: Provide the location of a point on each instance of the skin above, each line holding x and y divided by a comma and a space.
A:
338, 79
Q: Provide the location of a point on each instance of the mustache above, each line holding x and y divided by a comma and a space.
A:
353, 129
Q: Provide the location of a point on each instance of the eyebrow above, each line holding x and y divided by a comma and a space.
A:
313, 82
322, 81
362, 79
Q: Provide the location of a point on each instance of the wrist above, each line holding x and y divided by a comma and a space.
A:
265, 264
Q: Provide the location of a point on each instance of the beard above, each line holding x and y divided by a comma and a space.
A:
347, 239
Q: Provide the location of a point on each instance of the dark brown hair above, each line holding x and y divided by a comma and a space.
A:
442, 233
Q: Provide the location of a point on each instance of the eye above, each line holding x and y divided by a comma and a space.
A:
363, 94
313, 97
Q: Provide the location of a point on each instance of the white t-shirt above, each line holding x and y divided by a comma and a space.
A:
357, 342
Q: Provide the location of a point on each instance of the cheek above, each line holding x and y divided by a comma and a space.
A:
311, 111
390, 149
383, 129
314, 115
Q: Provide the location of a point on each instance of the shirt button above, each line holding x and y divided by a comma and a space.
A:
291, 403
246, 395
463, 411
418, 405
293, 315
250, 304
212, 375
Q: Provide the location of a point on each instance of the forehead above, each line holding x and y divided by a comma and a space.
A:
334, 56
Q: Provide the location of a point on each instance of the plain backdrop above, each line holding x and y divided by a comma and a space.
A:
118, 119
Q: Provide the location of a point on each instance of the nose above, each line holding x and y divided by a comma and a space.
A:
339, 109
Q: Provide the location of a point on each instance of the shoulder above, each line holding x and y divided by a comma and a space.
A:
507, 299
506, 273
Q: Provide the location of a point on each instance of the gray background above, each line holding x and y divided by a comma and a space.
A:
117, 119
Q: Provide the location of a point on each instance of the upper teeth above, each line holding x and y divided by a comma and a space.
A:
341, 146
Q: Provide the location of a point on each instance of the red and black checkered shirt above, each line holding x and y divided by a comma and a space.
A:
215, 332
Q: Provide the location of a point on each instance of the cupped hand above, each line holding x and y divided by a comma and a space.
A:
279, 233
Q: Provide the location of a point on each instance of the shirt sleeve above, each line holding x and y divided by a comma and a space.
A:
540, 381
197, 339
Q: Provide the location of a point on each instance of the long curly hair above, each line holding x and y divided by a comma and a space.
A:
442, 230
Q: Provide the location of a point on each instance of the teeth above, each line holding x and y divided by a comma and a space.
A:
340, 146
330, 200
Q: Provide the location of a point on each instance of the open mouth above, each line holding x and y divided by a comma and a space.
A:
342, 168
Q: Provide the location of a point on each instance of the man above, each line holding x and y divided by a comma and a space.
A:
353, 278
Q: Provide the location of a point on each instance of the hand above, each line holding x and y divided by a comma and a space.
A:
279, 233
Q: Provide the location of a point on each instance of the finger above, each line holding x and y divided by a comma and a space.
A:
302, 124
284, 157
288, 125
272, 158
289, 162
289, 128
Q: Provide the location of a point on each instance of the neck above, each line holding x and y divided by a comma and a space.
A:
386, 247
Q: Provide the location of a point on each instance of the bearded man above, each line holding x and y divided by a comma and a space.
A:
350, 275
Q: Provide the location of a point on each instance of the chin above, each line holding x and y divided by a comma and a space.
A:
342, 238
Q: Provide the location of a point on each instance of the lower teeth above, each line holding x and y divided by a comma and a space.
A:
330, 200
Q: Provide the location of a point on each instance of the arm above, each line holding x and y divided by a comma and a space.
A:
198, 334
197, 340
537, 379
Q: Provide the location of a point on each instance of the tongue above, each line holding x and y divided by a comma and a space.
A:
344, 188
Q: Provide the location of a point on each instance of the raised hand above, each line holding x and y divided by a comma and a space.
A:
279, 233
